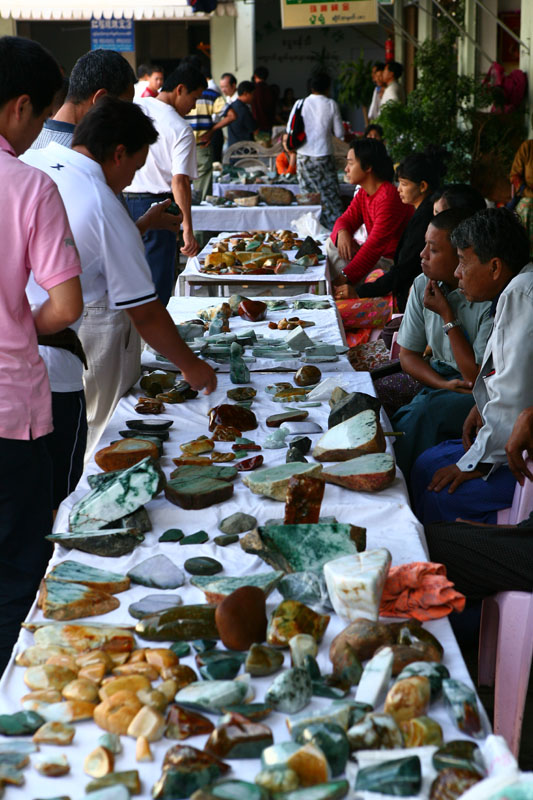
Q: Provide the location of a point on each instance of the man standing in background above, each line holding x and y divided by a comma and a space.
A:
263, 103
155, 81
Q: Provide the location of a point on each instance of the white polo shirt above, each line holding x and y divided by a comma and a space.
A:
110, 248
174, 153
322, 119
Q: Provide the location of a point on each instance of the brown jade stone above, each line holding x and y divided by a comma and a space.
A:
149, 405
304, 498
225, 433
237, 416
125, 453
241, 618
239, 738
249, 463
307, 375
182, 723
252, 310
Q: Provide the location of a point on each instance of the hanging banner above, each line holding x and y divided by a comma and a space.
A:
112, 34
310, 14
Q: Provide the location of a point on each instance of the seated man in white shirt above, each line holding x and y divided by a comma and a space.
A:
493, 250
109, 145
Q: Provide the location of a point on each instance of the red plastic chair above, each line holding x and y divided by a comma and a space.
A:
506, 639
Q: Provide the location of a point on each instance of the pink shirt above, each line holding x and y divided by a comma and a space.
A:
36, 237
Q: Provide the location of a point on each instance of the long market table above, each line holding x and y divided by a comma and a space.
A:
220, 189
206, 217
387, 517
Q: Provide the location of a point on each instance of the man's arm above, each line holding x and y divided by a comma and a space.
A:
415, 365
155, 325
181, 189
229, 117
521, 439
157, 218
63, 307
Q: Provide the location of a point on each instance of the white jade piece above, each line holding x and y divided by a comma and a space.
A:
375, 678
355, 583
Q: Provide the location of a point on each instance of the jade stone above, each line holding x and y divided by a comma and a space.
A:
17, 747
212, 695
190, 472
181, 649
401, 777
148, 425
181, 623
198, 493
224, 667
322, 689
202, 645
106, 543
158, 572
239, 739
273, 481
213, 654
137, 520
275, 420
290, 691
302, 645
456, 782
333, 790
21, 723
202, 565
375, 732
276, 439
128, 778
237, 523
274, 388
216, 589
111, 742
253, 711
461, 702
262, 660
434, 671
200, 537
172, 535
459, 754
231, 790
242, 393
307, 587
332, 740
186, 769
420, 731
291, 618
155, 436
182, 723
294, 455
278, 754
338, 712
278, 779
153, 604
239, 372
310, 664
228, 538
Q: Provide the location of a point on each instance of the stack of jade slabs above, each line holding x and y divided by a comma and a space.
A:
205, 672
262, 253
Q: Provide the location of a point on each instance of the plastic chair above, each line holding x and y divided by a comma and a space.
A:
506, 639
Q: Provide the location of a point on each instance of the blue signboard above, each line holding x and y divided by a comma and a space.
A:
112, 34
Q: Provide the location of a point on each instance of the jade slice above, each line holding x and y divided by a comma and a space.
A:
198, 493
401, 777
107, 543
216, 589
21, 723
154, 604
275, 420
161, 436
180, 623
157, 572
147, 425
273, 481
76, 572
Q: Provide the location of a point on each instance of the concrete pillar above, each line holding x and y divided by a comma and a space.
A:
466, 62
233, 43
488, 35
526, 59
8, 27
425, 20
399, 41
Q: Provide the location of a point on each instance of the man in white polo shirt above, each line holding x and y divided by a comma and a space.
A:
109, 145
169, 169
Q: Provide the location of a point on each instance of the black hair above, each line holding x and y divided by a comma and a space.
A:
449, 219
396, 68
461, 195
374, 127
186, 74
112, 122
27, 68
379, 65
373, 153
230, 75
262, 73
320, 83
244, 87
99, 69
154, 68
142, 70
429, 166
494, 233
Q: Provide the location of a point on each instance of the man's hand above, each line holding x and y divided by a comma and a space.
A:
190, 245
521, 439
346, 245
158, 219
344, 291
471, 427
435, 301
451, 476
201, 376
340, 280
205, 138
459, 386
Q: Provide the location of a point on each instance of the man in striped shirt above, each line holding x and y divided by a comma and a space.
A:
201, 119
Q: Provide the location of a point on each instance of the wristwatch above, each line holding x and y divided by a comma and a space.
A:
449, 325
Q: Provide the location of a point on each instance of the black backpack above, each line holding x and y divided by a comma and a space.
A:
296, 128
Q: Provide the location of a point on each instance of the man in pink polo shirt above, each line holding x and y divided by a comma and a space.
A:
36, 238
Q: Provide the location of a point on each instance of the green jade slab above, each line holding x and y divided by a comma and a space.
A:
216, 589
108, 543
212, 696
181, 623
401, 777
200, 537
131, 489
273, 481
333, 790
171, 535
231, 790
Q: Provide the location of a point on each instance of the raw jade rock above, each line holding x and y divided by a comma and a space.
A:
294, 455
63, 601
262, 660
309, 763
408, 698
278, 779
239, 631
212, 696
202, 565
375, 679
461, 702
216, 589
171, 535
375, 732
231, 790
455, 782
239, 738
181, 649
298, 548
347, 669
21, 723
254, 711
200, 537
302, 645
355, 583
273, 481
242, 393
153, 604
129, 490
198, 493
219, 665
250, 463
186, 769
180, 623
332, 740
307, 587
94, 578
348, 405
370, 473
129, 779
459, 754
297, 339
238, 371
226, 414
421, 731
237, 523
125, 453
332, 790
295, 394
275, 420
104, 542
276, 439
182, 722
434, 671
401, 777
291, 618
226, 539
307, 376
118, 792
157, 572
303, 500
355, 437
290, 692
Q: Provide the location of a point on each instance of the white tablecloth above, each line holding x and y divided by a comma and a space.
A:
206, 217
387, 517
